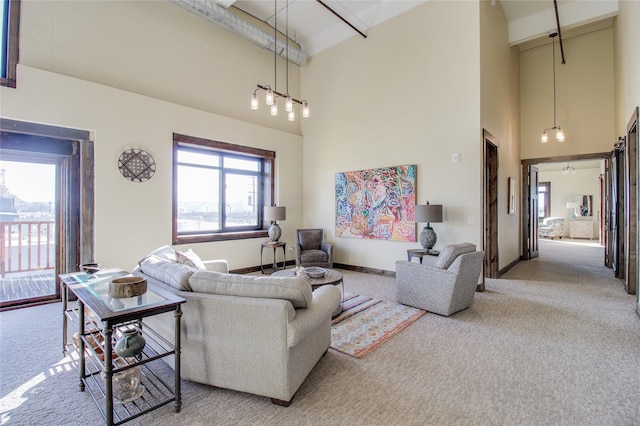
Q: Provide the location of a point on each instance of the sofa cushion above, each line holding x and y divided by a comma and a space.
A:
296, 290
173, 274
189, 258
450, 252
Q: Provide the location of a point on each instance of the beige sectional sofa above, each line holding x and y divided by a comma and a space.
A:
255, 334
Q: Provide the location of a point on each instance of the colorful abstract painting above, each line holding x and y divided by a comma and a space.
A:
377, 203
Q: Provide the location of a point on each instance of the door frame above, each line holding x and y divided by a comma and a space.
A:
631, 205
490, 215
557, 159
74, 153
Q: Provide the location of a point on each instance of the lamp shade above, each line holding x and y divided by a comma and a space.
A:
428, 213
273, 213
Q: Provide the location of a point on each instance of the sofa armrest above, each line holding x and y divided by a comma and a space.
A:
217, 265
325, 301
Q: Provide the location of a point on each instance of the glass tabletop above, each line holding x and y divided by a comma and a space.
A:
93, 289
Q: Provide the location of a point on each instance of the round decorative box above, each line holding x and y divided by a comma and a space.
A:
127, 287
314, 272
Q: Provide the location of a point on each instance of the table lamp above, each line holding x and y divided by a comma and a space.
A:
428, 213
273, 214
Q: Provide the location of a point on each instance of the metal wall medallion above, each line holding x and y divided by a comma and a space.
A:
137, 165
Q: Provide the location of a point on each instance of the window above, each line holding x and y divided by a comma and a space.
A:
219, 190
544, 199
10, 14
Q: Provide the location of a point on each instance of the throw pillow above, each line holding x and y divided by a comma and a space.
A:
165, 253
189, 258
170, 273
450, 252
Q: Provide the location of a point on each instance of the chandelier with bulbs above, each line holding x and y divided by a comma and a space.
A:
568, 170
558, 129
272, 94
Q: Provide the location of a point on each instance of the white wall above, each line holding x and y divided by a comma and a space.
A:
500, 115
153, 48
585, 96
408, 94
133, 218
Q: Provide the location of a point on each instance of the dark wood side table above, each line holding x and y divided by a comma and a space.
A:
99, 318
274, 245
419, 253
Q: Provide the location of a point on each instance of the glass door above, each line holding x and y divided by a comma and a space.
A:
27, 228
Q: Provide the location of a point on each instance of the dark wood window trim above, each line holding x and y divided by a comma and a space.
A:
12, 28
268, 188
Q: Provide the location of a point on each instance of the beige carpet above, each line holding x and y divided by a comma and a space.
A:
555, 342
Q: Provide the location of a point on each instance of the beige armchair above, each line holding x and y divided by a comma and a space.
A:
310, 250
444, 285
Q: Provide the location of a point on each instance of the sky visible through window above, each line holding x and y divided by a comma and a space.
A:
31, 182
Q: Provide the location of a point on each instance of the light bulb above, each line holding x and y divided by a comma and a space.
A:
560, 135
544, 137
254, 101
274, 109
291, 116
305, 109
288, 106
269, 97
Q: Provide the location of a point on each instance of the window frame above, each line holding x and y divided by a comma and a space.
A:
267, 188
11, 27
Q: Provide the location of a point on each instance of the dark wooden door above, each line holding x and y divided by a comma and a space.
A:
530, 213
491, 208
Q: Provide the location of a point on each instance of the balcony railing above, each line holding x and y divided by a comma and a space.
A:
27, 246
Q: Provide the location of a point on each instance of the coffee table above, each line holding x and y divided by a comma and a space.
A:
330, 277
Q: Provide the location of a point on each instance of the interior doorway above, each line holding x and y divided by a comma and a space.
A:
490, 218
571, 195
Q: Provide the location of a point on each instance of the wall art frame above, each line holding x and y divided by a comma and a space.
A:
376, 203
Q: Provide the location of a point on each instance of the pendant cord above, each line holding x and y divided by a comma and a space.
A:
275, 45
553, 49
287, 43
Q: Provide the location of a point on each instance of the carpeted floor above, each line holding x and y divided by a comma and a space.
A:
556, 341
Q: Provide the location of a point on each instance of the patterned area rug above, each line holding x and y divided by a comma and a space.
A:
366, 323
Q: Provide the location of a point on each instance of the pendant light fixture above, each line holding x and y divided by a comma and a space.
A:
558, 129
272, 95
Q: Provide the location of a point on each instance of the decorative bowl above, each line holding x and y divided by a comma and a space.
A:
314, 272
127, 287
90, 268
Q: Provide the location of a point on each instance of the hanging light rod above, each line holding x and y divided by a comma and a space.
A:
342, 19
555, 6
559, 133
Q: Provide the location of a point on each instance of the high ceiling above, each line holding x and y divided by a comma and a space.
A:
316, 28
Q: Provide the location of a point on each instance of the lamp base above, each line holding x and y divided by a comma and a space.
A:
428, 238
275, 232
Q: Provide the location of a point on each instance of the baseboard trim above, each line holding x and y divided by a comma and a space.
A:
292, 263
506, 269
364, 269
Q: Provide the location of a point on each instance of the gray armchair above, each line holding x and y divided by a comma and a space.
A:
310, 250
443, 285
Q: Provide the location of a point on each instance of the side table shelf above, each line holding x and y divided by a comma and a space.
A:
157, 391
